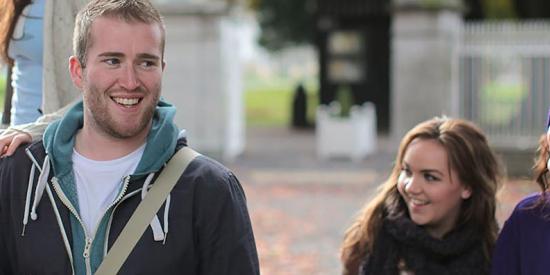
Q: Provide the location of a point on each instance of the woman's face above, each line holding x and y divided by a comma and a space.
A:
431, 189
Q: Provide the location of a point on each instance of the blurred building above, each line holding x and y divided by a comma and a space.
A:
203, 76
419, 59
354, 42
354, 50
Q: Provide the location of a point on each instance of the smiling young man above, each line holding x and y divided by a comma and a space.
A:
95, 165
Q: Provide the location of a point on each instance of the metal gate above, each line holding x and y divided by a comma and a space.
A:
504, 80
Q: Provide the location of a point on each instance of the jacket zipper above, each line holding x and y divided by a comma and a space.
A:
88, 241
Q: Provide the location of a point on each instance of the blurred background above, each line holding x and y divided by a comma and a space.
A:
306, 100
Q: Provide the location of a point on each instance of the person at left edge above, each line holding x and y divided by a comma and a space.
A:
65, 200
35, 41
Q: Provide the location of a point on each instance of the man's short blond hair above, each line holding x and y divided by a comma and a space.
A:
141, 11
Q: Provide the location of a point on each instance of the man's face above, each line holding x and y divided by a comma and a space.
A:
121, 80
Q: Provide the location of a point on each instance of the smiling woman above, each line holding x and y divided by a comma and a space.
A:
435, 214
430, 188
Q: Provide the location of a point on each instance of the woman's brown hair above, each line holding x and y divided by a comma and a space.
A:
540, 170
477, 167
10, 10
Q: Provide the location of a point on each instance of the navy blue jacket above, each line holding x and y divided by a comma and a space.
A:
523, 246
210, 230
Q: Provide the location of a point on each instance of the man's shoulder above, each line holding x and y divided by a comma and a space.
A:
23, 154
207, 174
205, 167
14, 170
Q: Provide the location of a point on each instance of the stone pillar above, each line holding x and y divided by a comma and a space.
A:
424, 76
203, 75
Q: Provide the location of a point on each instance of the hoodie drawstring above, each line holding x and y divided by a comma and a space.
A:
40, 186
158, 233
166, 211
28, 200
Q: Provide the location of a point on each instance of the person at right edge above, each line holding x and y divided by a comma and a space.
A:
65, 200
523, 246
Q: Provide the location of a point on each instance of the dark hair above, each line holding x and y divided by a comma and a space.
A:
10, 10
477, 167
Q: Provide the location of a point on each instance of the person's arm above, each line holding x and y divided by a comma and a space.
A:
225, 239
15, 136
506, 255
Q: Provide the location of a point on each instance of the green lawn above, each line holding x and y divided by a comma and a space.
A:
270, 104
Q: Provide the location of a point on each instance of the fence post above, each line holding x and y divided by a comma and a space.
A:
204, 74
425, 38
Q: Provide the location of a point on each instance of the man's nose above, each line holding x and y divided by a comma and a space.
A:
129, 79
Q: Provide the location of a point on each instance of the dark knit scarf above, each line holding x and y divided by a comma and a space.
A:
460, 252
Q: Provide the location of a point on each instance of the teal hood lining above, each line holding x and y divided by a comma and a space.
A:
59, 140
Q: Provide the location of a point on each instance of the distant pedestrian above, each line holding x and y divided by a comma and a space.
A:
435, 214
299, 107
523, 246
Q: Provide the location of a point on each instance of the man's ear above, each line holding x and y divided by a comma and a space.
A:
75, 68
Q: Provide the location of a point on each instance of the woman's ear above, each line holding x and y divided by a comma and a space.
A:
466, 192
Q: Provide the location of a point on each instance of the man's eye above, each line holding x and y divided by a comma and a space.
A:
112, 61
147, 64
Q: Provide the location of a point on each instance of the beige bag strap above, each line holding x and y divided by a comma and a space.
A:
145, 211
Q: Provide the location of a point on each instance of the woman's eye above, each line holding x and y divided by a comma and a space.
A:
430, 177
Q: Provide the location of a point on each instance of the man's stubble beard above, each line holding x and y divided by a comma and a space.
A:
102, 119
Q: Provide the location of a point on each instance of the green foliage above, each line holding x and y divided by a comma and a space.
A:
501, 102
440, 3
499, 9
345, 98
284, 22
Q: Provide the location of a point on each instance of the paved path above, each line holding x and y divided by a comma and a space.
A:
300, 206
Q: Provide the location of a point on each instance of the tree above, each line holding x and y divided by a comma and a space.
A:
532, 8
285, 22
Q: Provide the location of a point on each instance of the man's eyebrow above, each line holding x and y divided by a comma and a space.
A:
111, 54
148, 56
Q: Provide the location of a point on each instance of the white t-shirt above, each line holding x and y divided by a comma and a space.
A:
98, 183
